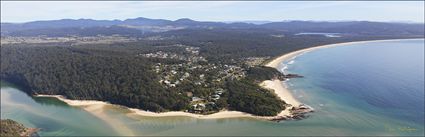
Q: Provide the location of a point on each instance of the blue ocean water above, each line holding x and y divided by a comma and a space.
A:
367, 89
377, 82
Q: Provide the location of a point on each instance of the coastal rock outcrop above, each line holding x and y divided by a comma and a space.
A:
297, 113
283, 77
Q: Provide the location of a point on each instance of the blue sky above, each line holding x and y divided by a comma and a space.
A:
412, 11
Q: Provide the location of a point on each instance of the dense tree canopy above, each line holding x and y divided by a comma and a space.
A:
116, 73
53, 69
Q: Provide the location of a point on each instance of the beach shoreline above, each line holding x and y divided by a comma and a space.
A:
277, 86
94, 105
275, 62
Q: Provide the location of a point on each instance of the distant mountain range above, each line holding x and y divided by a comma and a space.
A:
140, 26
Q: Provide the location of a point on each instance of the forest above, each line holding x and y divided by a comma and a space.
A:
11, 128
116, 74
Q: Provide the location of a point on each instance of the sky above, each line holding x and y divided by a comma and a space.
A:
387, 11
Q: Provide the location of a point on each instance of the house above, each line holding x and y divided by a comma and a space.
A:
211, 104
196, 99
189, 94
198, 107
215, 97
219, 91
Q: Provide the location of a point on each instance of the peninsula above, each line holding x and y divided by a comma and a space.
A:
208, 68
295, 109
216, 72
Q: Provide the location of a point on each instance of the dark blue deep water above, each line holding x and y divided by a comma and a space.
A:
367, 89
381, 79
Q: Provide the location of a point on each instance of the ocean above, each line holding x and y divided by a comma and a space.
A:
374, 88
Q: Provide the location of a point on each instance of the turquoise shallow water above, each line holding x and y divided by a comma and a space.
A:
53, 116
378, 83
364, 89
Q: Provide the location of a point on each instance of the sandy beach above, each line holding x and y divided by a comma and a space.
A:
283, 93
221, 114
276, 61
96, 107
279, 86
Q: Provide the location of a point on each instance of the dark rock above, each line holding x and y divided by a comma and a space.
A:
292, 76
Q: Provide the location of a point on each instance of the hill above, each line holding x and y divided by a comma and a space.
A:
140, 26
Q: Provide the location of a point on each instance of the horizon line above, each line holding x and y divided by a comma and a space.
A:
225, 21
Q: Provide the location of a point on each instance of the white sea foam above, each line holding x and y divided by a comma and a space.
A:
284, 67
291, 62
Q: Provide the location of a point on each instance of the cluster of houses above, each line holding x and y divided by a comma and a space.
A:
170, 74
164, 55
191, 50
173, 74
255, 61
205, 76
190, 54
232, 71
201, 105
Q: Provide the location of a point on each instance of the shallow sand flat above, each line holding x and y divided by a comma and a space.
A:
96, 108
119, 126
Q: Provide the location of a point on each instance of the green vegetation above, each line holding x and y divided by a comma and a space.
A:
181, 71
261, 73
248, 97
60, 70
10, 128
